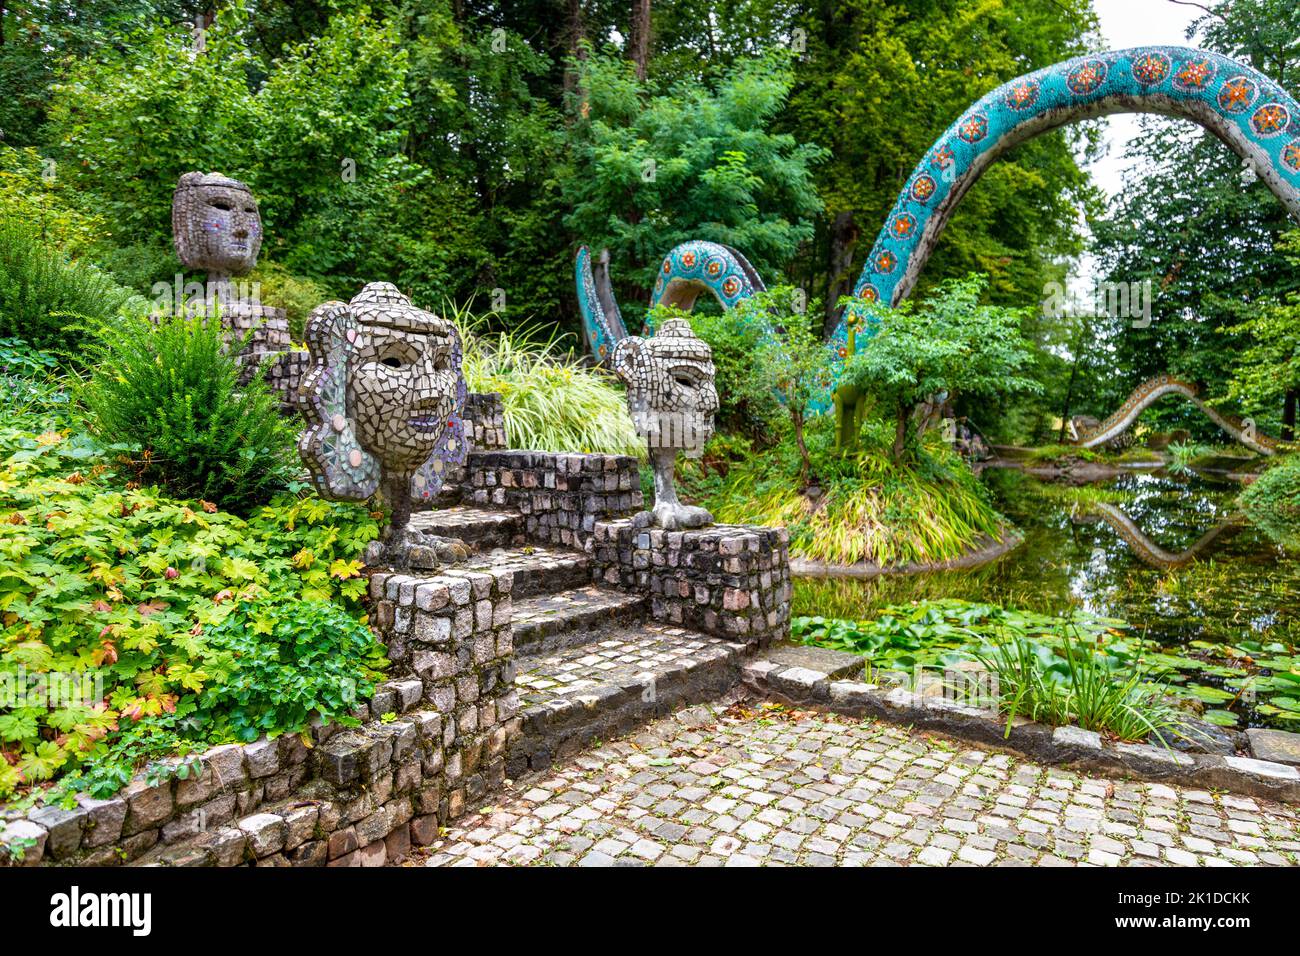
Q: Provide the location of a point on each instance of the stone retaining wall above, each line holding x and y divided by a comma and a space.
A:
433, 737
561, 496
728, 580
485, 420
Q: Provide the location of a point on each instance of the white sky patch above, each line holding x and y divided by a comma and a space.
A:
1124, 24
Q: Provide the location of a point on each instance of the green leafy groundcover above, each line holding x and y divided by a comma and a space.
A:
201, 626
1221, 680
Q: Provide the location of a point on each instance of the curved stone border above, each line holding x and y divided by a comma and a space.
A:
814, 686
990, 549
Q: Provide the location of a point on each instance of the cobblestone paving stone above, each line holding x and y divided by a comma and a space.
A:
753, 785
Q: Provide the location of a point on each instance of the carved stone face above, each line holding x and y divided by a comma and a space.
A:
402, 384
670, 386
215, 223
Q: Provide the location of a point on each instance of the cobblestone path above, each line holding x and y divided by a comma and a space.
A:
752, 784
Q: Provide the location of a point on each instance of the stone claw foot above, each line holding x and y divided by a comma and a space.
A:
673, 516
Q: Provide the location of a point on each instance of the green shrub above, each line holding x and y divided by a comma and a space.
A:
44, 297
276, 664
32, 192
1272, 502
123, 585
171, 390
552, 401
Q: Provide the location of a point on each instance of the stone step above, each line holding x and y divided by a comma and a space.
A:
480, 528
537, 570
548, 622
573, 696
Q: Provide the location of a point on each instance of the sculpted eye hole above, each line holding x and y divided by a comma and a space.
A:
223, 204
391, 361
684, 380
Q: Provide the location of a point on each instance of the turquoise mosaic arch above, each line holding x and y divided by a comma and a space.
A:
688, 271
1253, 115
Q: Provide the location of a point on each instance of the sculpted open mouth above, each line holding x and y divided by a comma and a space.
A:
425, 423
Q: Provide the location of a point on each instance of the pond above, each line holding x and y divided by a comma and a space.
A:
1166, 552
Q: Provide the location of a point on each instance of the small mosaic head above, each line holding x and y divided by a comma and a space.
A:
385, 395
215, 224
671, 393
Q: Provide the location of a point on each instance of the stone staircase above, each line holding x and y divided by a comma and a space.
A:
589, 663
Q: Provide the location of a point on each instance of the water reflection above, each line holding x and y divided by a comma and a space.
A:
1168, 553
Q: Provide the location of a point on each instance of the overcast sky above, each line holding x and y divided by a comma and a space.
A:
1128, 23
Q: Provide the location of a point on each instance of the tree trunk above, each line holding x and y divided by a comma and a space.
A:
839, 263
574, 33
639, 41
900, 433
1288, 414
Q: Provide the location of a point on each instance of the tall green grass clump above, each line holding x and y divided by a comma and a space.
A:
552, 401
867, 507
44, 297
171, 390
1077, 685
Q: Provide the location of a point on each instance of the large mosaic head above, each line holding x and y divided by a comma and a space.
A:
383, 399
215, 224
672, 398
671, 393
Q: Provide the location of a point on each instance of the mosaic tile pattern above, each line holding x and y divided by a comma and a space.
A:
751, 786
383, 401
215, 224
672, 398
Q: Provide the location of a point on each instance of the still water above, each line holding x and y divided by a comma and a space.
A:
1168, 553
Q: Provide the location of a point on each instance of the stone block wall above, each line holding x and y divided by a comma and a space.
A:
728, 580
432, 738
485, 420
562, 497
452, 632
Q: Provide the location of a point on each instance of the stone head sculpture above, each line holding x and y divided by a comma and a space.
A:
383, 403
672, 399
216, 225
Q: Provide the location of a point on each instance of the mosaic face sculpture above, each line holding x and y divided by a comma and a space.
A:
383, 403
672, 399
215, 224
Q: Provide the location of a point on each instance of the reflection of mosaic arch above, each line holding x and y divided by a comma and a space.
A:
339, 467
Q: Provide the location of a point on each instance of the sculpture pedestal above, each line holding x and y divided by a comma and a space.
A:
731, 581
